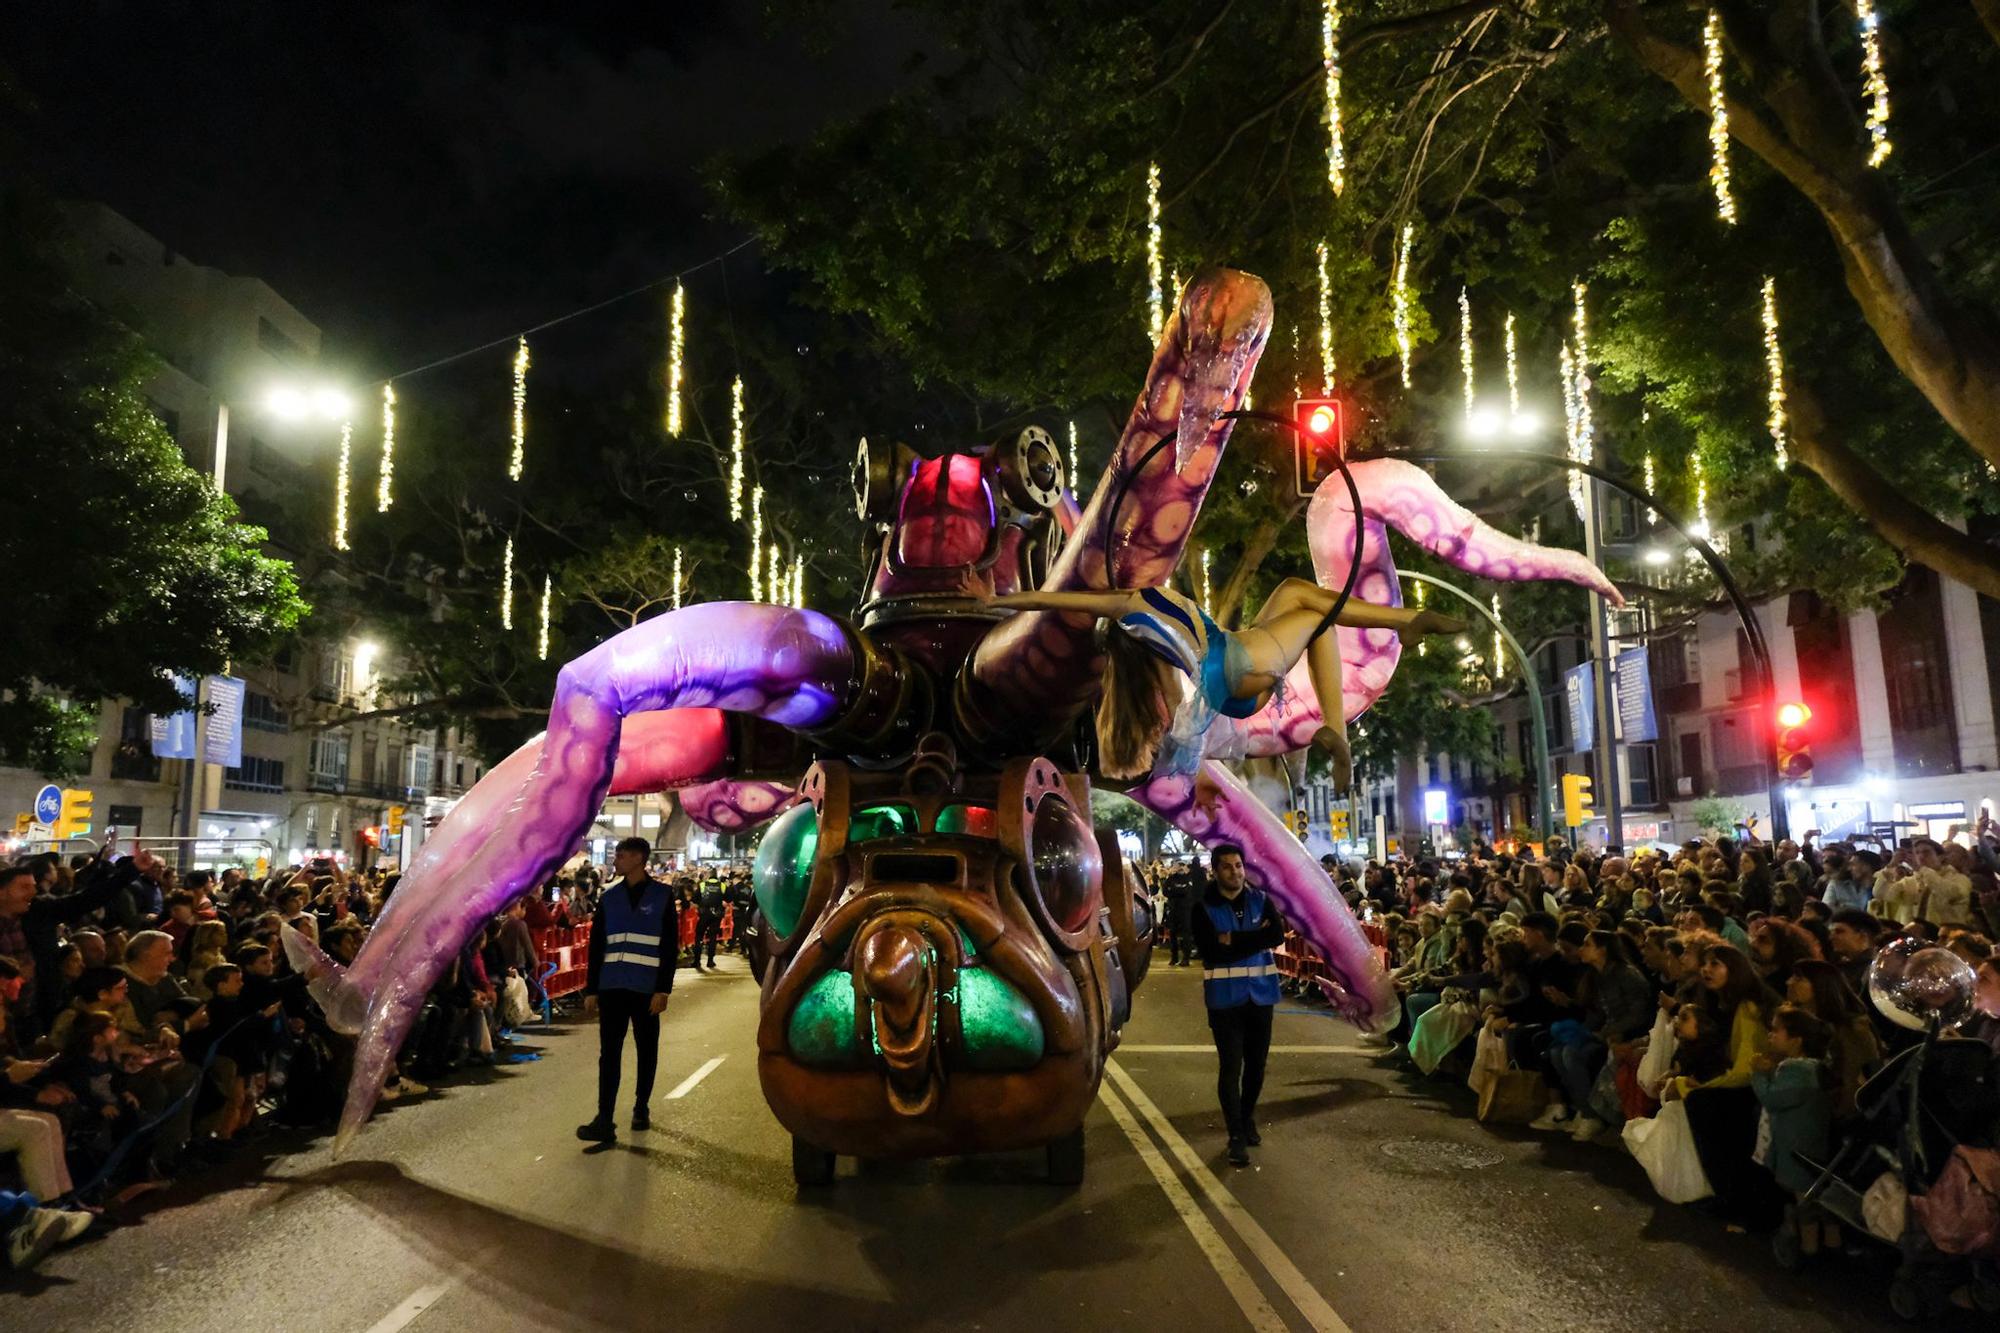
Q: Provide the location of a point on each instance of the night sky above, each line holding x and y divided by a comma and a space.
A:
420, 177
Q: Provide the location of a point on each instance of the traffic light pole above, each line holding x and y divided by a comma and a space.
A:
1545, 816
191, 783
1605, 699
1753, 629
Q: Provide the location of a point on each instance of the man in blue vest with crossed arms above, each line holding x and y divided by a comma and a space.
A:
634, 940
1235, 930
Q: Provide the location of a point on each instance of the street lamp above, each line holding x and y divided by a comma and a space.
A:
293, 402
1487, 424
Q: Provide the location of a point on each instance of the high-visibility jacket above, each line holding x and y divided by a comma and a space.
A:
632, 937
1249, 980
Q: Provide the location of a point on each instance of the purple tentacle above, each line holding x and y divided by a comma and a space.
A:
730, 806
1278, 863
1398, 495
1039, 668
791, 667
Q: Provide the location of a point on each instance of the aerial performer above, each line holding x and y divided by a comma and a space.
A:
947, 949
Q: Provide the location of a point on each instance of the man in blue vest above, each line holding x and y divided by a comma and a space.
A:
1235, 929
634, 940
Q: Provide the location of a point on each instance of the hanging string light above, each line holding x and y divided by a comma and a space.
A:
518, 460
1498, 642
798, 581
676, 350
757, 544
1400, 300
1718, 120
382, 480
1336, 149
1513, 371
1701, 525
1586, 428
1156, 301
1073, 472
774, 579
736, 450
1423, 644
340, 485
507, 586
542, 635
1647, 470
1874, 86
1326, 367
1774, 367
677, 578
1207, 584
1569, 382
1465, 345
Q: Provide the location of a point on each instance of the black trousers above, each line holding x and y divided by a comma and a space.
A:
616, 1009
1242, 1045
707, 931
1183, 935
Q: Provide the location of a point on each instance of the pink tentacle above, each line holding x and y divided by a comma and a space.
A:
788, 666
731, 806
1278, 863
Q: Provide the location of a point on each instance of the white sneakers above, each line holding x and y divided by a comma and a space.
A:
45, 1229
1557, 1117
1584, 1128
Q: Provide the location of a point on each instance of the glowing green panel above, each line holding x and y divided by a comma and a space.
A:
1001, 1028
783, 870
881, 821
822, 1028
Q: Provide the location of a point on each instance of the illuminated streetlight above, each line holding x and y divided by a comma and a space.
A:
1653, 555
292, 402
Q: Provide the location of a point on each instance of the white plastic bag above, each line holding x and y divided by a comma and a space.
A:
1489, 1061
515, 1010
1664, 1145
1658, 1061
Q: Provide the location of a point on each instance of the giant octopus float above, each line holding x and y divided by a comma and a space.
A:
949, 948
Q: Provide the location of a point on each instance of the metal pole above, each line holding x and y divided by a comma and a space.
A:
1605, 700
1753, 629
1545, 812
191, 775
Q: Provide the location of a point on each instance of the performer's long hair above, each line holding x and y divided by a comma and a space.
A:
1140, 691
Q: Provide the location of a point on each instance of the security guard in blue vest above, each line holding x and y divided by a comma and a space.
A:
1235, 929
634, 941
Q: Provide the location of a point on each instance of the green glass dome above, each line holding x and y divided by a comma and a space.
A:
782, 873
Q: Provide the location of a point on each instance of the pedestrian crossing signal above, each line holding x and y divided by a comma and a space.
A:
1577, 809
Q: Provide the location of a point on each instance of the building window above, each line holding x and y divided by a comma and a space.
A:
261, 713
256, 774
328, 761
1918, 677
312, 826
1642, 774
420, 767
133, 760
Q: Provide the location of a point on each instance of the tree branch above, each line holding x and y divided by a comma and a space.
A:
458, 707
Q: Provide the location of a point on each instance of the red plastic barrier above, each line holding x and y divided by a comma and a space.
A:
569, 950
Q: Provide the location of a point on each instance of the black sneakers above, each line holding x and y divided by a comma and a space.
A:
641, 1119
1250, 1134
597, 1131
1238, 1154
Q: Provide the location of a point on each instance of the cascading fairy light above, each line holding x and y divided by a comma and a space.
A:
507, 586
1423, 644
1465, 345
799, 581
517, 462
677, 578
340, 485
1513, 371
676, 352
542, 634
1874, 85
1073, 473
1207, 584
774, 576
1156, 300
1646, 467
1584, 447
1569, 380
1400, 301
757, 544
1774, 368
1498, 642
736, 450
1701, 525
1336, 148
1326, 366
383, 497
1718, 120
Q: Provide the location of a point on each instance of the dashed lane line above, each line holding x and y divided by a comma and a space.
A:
1242, 1287
1258, 1241
687, 1084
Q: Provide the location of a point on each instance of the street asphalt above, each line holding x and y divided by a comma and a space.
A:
1376, 1204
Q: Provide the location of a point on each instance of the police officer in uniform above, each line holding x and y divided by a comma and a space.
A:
633, 944
1235, 929
708, 922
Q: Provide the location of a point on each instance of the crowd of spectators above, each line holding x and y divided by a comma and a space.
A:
151, 1023
1755, 957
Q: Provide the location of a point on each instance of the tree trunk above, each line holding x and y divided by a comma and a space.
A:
1817, 144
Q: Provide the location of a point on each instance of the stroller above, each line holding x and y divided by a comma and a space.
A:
1923, 1103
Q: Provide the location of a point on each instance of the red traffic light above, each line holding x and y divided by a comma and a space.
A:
1795, 763
1319, 420
1322, 440
1793, 715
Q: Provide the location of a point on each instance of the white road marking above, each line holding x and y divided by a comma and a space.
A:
1267, 1251
1214, 1248
1205, 1049
687, 1084
415, 1304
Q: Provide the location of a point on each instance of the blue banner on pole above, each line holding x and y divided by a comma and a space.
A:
1633, 679
1580, 696
222, 742
173, 734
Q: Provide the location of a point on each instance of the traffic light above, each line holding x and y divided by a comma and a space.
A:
369, 835
1794, 744
77, 809
1336, 823
1577, 809
1322, 429
396, 814
1295, 820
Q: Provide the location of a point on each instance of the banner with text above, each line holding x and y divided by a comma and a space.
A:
1580, 697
